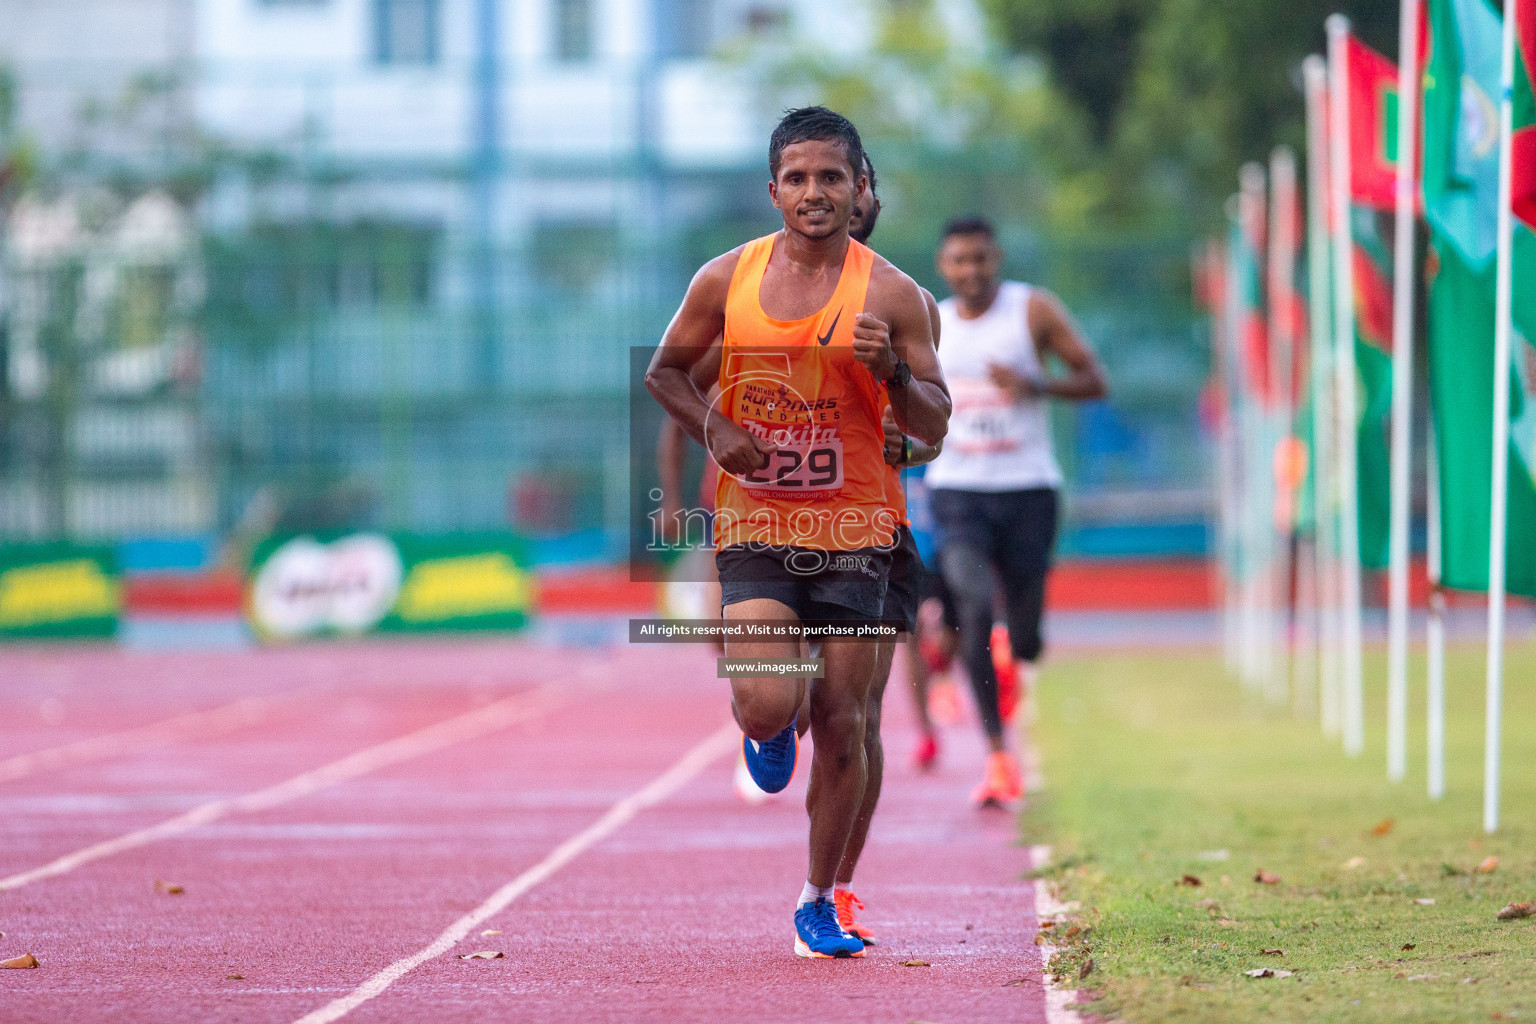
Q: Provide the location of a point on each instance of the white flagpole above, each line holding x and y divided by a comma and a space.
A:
1344, 375
1282, 338
1315, 76
1240, 557
1402, 391
1500, 496
1435, 719
1218, 267
1256, 474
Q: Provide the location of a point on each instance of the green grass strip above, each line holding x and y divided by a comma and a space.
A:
1161, 766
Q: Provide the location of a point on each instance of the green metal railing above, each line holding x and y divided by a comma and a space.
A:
317, 372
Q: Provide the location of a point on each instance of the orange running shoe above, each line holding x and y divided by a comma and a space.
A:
944, 701
930, 626
1007, 674
926, 752
846, 902
1003, 783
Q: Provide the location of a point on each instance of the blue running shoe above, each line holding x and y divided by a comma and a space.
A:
817, 933
772, 764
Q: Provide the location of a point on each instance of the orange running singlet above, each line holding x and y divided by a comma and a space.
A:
796, 383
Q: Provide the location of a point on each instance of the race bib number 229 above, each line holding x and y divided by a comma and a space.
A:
801, 467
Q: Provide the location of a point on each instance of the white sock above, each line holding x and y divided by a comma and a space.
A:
812, 893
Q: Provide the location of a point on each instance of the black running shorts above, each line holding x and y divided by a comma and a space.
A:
820, 586
904, 591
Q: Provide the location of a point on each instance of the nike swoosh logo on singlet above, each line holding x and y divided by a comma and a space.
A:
824, 338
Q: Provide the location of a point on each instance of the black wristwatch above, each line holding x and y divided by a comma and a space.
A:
901, 377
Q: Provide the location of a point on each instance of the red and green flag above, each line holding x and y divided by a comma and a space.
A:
1373, 369
1373, 111
1247, 278
1525, 113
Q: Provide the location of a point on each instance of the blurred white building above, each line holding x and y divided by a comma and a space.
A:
431, 231
409, 79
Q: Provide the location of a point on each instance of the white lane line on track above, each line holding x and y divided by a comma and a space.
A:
468, 726
1060, 1002
726, 739
237, 715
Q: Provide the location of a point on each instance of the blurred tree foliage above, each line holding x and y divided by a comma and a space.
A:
18, 157
1081, 118
952, 126
957, 124
1179, 93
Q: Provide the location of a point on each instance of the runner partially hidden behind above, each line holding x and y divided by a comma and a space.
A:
994, 486
820, 335
903, 593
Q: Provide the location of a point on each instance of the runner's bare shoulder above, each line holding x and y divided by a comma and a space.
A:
893, 295
712, 283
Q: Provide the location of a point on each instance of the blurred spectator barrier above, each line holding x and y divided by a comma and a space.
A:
353, 583
59, 590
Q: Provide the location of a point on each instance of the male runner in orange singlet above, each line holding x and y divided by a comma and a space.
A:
819, 334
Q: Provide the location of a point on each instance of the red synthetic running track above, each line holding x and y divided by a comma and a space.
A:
673, 903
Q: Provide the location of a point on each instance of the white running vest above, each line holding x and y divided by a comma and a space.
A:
995, 443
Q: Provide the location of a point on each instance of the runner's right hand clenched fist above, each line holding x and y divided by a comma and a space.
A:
737, 451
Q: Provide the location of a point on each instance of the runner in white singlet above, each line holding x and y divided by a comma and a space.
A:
994, 487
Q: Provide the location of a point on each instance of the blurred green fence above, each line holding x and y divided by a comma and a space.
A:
163, 378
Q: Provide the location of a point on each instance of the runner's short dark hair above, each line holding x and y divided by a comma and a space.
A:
969, 226
874, 203
815, 124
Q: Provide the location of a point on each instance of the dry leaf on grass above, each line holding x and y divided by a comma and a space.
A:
21, 963
484, 954
1268, 972
1488, 865
1515, 911
915, 963
1408, 945
1382, 827
489, 932
1265, 878
168, 887
1190, 880
1425, 901
1085, 970
1040, 938
1074, 931
1353, 863
1273, 952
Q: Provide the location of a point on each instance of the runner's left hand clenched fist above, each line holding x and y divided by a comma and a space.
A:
895, 440
872, 346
